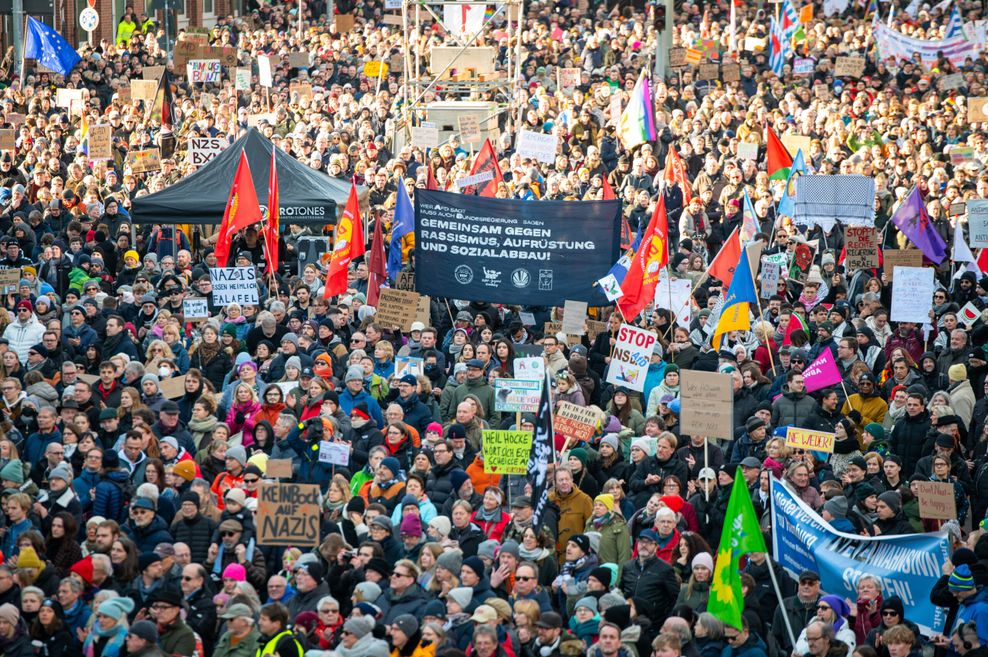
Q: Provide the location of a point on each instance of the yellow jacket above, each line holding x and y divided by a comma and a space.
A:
423, 649
125, 30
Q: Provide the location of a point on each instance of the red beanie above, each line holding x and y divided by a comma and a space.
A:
84, 569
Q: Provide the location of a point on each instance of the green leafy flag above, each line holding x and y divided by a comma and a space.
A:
741, 535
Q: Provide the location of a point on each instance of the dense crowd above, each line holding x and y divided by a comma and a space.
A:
129, 504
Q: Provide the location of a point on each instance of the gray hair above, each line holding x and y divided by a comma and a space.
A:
713, 625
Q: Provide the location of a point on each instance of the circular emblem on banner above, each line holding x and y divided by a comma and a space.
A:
463, 274
88, 19
521, 278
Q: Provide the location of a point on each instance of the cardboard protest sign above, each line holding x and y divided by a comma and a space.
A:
977, 110
143, 89
630, 357
677, 57
182, 53
277, 468
814, 441
952, 81
936, 500
334, 453
708, 72
10, 279
172, 387
234, 285
145, 160
861, 243
344, 23
771, 272
298, 59
396, 309
288, 515
195, 308
469, 128
101, 142
977, 223
405, 281
299, 91
794, 143
850, 67
152, 73
730, 73
576, 422
64, 97
707, 404
227, 55
912, 294
241, 79
202, 150
507, 452
204, 70
8, 139
516, 395
901, 258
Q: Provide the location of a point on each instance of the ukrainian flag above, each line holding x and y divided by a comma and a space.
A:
734, 316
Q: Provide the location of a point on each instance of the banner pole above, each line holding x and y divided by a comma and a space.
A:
778, 595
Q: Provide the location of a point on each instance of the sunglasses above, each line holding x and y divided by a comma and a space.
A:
524, 579
254, 480
889, 612
823, 607
228, 534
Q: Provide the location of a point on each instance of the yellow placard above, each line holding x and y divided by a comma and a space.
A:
507, 452
815, 441
373, 69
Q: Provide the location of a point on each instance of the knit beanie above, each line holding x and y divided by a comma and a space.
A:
28, 558
368, 591
236, 572
411, 525
602, 575
462, 595
612, 440
703, 559
836, 506
892, 499
876, 430
961, 579
10, 613
13, 471
443, 526
359, 627
957, 372
392, 464
451, 561
475, 564
606, 499
116, 608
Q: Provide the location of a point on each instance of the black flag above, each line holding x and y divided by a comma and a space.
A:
542, 454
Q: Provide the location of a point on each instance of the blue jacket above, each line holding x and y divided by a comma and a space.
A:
85, 482
37, 443
77, 616
150, 535
417, 414
656, 373
753, 647
975, 610
14, 532
348, 400
109, 502
182, 359
85, 333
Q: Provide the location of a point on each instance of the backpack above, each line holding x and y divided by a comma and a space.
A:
127, 492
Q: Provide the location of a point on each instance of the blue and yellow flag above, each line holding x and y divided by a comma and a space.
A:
734, 316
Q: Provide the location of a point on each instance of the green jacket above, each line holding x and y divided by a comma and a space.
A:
179, 639
615, 540
481, 390
246, 648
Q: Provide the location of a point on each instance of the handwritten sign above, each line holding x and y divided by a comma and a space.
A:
538, 146
803, 66
405, 281
507, 452
862, 247
977, 222
265, 68
730, 73
234, 285
677, 57
936, 500
630, 358
747, 151
516, 396
152, 73
241, 78
375, 69
204, 70
195, 308
901, 258
567, 79
476, 179
424, 137
574, 317
101, 142
288, 515
707, 404
396, 309
708, 72
277, 468
202, 150
8, 139
469, 127
771, 273
912, 294
143, 161
977, 109
143, 89
849, 67
952, 81
334, 453
814, 441
576, 422
10, 279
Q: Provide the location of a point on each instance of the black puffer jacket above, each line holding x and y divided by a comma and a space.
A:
196, 533
655, 582
438, 486
907, 439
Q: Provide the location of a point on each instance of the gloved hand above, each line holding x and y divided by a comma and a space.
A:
240, 417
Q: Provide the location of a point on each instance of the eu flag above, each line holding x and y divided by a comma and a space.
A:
49, 48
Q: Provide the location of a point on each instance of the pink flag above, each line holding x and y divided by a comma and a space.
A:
822, 372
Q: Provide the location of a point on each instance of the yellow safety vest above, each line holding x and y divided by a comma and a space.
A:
269, 647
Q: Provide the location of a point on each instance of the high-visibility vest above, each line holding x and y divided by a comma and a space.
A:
270, 646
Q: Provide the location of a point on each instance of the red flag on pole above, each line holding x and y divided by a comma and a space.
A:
643, 275
430, 180
242, 209
272, 228
726, 261
348, 244
675, 172
486, 160
377, 268
609, 194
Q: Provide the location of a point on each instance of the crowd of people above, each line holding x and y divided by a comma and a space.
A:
135, 440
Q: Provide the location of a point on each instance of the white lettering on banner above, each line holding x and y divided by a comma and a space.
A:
234, 285
537, 145
203, 149
893, 45
481, 177
630, 357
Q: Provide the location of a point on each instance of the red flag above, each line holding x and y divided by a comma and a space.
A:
652, 255
348, 244
486, 160
796, 323
675, 172
430, 180
724, 263
609, 194
779, 160
272, 229
242, 209
377, 268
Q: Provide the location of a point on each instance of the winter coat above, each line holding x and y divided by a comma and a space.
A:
792, 409
652, 465
408, 602
906, 441
109, 499
654, 581
615, 539
150, 535
196, 533
417, 414
438, 486
574, 511
962, 401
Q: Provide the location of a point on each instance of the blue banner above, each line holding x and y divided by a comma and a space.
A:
533, 253
908, 566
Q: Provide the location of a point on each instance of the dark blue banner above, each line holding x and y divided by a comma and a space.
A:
533, 253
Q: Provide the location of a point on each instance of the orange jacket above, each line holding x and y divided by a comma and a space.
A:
481, 480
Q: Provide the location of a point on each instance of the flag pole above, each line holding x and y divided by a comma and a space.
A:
775, 584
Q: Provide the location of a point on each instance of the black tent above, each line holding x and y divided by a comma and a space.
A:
306, 196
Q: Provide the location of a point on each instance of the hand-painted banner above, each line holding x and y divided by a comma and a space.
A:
908, 566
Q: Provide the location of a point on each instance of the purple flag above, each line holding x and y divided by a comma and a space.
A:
822, 372
912, 219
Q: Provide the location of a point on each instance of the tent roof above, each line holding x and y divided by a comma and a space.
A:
307, 196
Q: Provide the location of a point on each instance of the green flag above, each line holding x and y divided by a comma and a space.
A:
741, 535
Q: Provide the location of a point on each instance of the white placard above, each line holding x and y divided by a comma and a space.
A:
234, 285
530, 369
65, 97
630, 358
408, 365
527, 319
202, 150
574, 317
392, 4
204, 70
264, 69
242, 79
771, 272
952, 81
517, 396
747, 151
481, 177
912, 294
195, 308
674, 294
803, 66
977, 223
537, 145
425, 137
334, 453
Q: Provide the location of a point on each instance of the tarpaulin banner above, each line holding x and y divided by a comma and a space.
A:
908, 566
893, 45
510, 251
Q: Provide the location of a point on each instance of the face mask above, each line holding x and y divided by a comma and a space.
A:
164, 372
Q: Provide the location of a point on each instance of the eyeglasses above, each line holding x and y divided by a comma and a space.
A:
186, 578
823, 607
228, 534
522, 578
329, 611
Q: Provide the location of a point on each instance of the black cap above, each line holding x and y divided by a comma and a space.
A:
521, 502
809, 575
550, 620
169, 407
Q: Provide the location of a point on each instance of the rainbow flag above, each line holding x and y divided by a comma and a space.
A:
637, 124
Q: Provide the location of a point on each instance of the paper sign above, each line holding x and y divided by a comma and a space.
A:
242, 79
754, 44
145, 160
405, 281
977, 109
730, 72
204, 70
299, 91
574, 317
804, 66
677, 57
202, 150
143, 89
815, 441
507, 452
747, 151
409, 365
707, 404
952, 81
469, 128
278, 468
425, 137
375, 69
901, 258
567, 79
530, 369
64, 97
674, 294
334, 453
517, 396
172, 387
101, 142
298, 59
234, 285
10, 279
936, 500
576, 422
794, 143
611, 287
288, 515
850, 67
630, 358
969, 314
912, 294
977, 222
476, 179
8, 139
861, 243
195, 308
264, 70
708, 72
396, 309
527, 319
536, 145
771, 272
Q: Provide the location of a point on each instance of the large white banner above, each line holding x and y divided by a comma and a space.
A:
234, 285
893, 45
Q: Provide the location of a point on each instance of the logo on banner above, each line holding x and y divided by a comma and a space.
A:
521, 278
464, 274
545, 279
492, 277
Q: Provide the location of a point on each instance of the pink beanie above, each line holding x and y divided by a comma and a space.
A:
236, 572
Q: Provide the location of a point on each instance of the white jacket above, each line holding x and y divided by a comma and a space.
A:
21, 337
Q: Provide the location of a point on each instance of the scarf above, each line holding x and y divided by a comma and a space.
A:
207, 352
601, 521
335, 508
116, 636
586, 562
532, 555
488, 516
